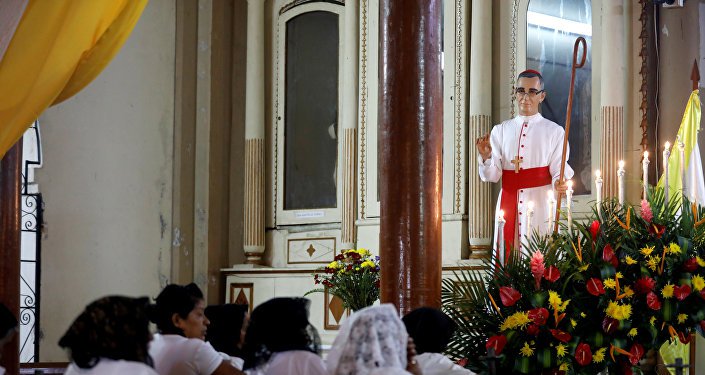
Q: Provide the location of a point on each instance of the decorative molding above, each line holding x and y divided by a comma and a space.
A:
513, 51
480, 251
296, 3
612, 146
347, 235
318, 245
276, 119
254, 193
644, 73
363, 106
245, 294
459, 99
333, 311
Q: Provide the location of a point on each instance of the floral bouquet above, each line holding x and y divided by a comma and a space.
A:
353, 276
581, 301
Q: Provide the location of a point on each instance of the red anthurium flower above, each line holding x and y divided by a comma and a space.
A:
652, 301
608, 255
657, 230
538, 315
497, 343
594, 229
552, 274
560, 335
609, 325
637, 351
681, 292
595, 287
533, 329
684, 338
690, 265
644, 285
702, 294
702, 325
509, 296
583, 354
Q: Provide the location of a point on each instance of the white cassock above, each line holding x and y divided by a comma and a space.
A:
538, 144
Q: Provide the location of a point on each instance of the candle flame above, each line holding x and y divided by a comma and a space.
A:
646, 154
598, 174
668, 145
621, 164
501, 214
531, 205
569, 183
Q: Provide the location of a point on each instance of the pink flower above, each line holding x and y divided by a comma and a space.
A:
537, 267
646, 212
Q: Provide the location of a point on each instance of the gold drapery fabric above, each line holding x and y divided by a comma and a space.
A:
58, 48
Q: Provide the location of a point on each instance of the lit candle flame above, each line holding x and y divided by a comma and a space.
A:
621, 164
646, 154
501, 214
569, 183
531, 205
598, 174
668, 145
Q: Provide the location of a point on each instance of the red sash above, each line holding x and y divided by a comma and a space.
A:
512, 182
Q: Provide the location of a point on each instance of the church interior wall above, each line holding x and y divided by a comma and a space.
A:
106, 181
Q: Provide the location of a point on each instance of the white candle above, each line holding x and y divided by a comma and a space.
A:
529, 218
598, 187
500, 235
551, 209
645, 175
681, 148
568, 201
666, 154
620, 182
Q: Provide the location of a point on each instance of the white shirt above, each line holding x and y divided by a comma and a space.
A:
542, 142
438, 364
108, 366
236, 362
178, 355
292, 362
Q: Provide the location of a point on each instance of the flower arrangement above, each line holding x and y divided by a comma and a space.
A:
581, 301
353, 276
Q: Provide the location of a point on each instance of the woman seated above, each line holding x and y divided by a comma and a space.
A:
8, 328
178, 348
226, 333
280, 340
431, 330
110, 337
373, 341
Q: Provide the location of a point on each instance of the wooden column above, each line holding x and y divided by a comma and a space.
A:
10, 177
410, 152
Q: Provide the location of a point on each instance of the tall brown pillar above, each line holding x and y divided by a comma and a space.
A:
410, 152
10, 177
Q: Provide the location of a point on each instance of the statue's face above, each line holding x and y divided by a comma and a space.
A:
529, 94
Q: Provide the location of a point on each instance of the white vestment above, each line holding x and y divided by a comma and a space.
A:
537, 142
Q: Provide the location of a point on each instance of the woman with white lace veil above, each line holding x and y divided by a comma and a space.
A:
372, 341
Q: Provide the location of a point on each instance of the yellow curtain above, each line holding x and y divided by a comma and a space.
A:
59, 47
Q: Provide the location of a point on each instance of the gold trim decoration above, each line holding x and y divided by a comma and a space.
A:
480, 251
296, 3
288, 249
333, 305
459, 98
239, 299
363, 107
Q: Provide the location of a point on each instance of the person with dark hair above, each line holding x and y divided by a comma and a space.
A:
110, 336
281, 341
525, 152
432, 330
226, 333
8, 327
179, 347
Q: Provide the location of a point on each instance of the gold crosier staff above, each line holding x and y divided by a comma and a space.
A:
576, 65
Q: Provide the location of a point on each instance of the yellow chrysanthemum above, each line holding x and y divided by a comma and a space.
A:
646, 250
630, 260
632, 332
652, 320
700, 261
653, 262
573, 322
628, 292
698, 282
682, 318
667, 291
618, 275
563, 367
609, 283
582, 315
526, 350
333, 265
584, 267
368, 263
599, 355
517, 320
560, 350
618, 311
673, 248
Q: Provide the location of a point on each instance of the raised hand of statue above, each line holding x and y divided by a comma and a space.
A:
483, 146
